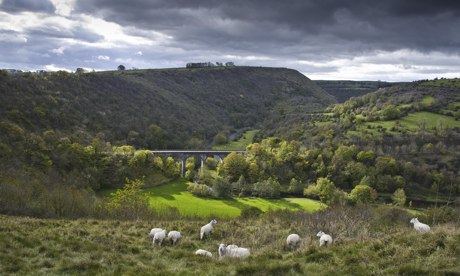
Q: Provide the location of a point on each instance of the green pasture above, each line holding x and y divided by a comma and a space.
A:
239, 144
175, 195
411, 122
429, 120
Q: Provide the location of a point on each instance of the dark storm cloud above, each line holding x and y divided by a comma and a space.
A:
27, 5
293, 27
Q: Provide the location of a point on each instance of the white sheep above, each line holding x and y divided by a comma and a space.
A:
159, 237
153, 232
420, 227
233, 251
203, 252
207, 229
174, 236
293, 240
324, 239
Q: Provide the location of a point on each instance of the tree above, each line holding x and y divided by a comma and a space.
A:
129, 202
154, 137
363, 194
223, 188
295, 186
220, 138
80, 70
211, 163
269, 188
233, 166
326, 189
121, 67
399, 197
391, 112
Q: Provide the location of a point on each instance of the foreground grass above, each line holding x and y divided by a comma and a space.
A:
175, 195
363, 245
239, 144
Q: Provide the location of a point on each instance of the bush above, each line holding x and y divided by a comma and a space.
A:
129, 202
390, 215
441, 214
311, 191
200, 190
269, 188
295, 186
251, 212
399, 197
363, 194
220, 139
223, 188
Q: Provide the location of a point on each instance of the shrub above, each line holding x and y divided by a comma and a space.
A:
251, 212
311, 191
295, 186
363, 194
220, 139
200, 190
399, 197
223, 188
324, 189
441, 214
129, 202
269, 188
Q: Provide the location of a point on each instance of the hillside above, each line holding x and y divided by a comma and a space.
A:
405, 136
168, 108
343, 90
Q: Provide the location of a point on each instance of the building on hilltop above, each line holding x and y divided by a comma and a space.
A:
208, 64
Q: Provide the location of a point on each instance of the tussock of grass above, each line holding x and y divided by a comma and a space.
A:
366, 242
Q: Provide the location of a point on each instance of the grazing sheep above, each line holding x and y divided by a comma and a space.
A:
324, 239
420, 227
233, 251
153, 232
293, 240
207, 229
203, 252
174, 236
159, 237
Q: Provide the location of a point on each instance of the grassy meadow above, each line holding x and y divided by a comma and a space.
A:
366, 241
239, 144
411, 122
175, 194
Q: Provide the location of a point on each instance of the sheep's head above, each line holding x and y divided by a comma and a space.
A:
213, 221
414, 220
221, 250
320, 233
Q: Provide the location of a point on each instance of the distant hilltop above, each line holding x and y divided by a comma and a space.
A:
208, 64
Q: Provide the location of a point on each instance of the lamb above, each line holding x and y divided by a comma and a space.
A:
174, 236
293, 240
159, 237
233, 251
207, 229
420, 227
203, 252
153, 232
324, 239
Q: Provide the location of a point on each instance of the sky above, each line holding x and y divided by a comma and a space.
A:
388, 40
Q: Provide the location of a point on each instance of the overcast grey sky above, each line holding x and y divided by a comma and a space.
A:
395, 40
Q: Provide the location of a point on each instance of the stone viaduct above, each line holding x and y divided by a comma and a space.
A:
182, 155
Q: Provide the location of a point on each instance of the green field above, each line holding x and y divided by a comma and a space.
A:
175, 195
239, 144
411, 122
